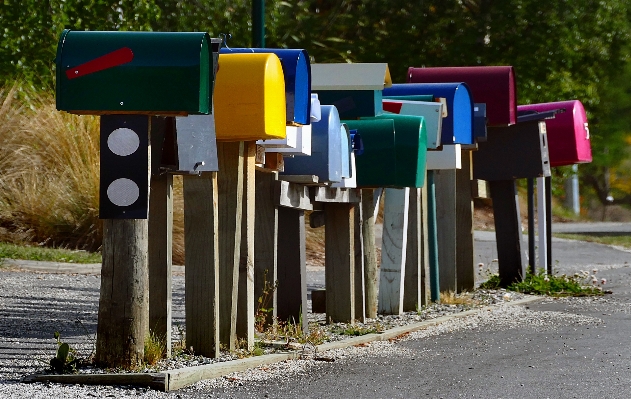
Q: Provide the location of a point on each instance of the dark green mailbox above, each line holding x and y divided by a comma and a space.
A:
157, 73
411, 149
377, 166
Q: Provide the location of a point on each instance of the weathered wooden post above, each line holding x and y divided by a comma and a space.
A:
355, 90
250, 106
457, 128
114, 74
421, 223
295, 141
330, 163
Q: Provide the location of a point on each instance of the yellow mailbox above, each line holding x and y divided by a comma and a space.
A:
249, 98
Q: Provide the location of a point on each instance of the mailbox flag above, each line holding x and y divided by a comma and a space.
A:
124, 164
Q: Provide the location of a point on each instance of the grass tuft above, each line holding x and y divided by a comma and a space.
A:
155, 349
556, 285
451, 298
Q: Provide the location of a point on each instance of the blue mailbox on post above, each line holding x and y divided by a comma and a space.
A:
458, 126
330, 150
297, 71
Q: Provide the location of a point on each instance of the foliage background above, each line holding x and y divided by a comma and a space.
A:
561, 49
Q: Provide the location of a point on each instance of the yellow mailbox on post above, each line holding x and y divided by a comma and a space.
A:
249, 97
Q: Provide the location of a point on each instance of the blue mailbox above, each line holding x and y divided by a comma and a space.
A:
458, 125
297, 71
330, 149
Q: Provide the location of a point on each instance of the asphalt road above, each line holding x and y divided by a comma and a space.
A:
567, 348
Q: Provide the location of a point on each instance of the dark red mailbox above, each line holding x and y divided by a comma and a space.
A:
493, 85
568, 132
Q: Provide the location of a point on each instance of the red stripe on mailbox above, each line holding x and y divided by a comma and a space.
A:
115, 58
393, 107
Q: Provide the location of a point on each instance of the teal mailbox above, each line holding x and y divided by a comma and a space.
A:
155, 73
354, 89
377, 165
410, 147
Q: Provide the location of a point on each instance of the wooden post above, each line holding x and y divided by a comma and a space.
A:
230, 185
510, 254
393, 251
446, 221
123, 320
292, 266
413, 253
160, 256
370, 254
245, 311
202, 263
265, 239
360, 294
465, 268
339, 261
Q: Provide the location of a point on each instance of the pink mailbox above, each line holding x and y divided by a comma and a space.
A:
568, 133
493, 85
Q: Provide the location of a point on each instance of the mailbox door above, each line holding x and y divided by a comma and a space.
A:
568, 132
514, 152
479, 122
161, 73
326, 149
297, 72
249, 98
377, 166
411, 148
458, 125
493, 85
431, 111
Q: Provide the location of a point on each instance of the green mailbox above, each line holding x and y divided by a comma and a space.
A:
411, 149
157, 73
377, 166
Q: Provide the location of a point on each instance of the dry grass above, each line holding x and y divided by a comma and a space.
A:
451, 298
49, 176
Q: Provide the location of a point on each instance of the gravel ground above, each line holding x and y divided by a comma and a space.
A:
35, 305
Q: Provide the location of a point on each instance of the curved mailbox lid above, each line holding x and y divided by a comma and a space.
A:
431, 111
297, 71
568, 132
249, 98
458, 125
161, 73
411, 148
326, 149
493, 85
377, 166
